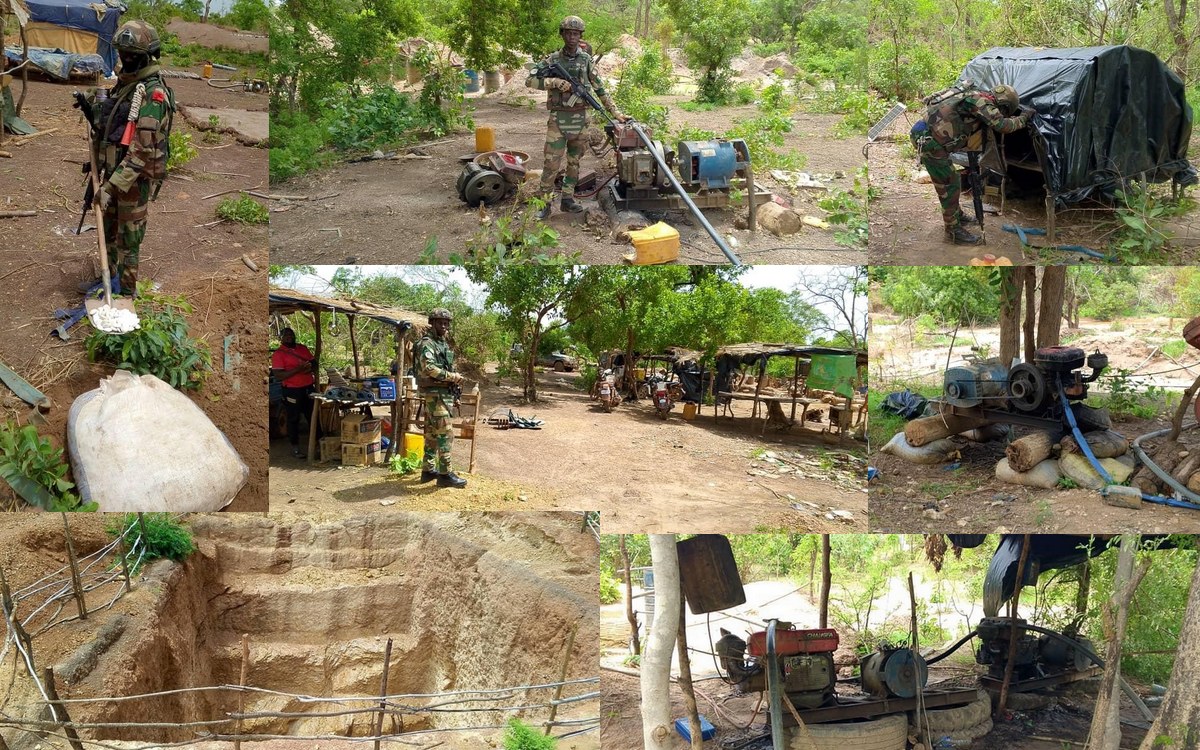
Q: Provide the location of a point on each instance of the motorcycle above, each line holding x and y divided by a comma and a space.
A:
663, 400
607, 391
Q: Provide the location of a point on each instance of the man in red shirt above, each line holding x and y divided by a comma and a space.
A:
293, 365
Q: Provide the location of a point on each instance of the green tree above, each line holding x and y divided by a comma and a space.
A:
948, 293
486, 32
251, 15
715, 33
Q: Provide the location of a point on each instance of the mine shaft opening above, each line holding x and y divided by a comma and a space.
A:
319, 602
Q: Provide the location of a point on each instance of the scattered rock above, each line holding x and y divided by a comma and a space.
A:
778, 220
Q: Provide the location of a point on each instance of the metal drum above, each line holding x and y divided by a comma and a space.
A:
708, 574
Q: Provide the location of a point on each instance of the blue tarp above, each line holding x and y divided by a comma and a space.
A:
97, 16
57, 63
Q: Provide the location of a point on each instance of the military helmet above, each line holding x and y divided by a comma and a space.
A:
137, 36
440, 313
574, 23
1007, 98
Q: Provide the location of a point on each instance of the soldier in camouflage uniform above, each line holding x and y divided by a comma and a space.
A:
134, 172
566, 130
435, 376
955, 121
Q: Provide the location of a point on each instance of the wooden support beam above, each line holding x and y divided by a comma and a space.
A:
383, 683
76, 584
58, 710
562, 676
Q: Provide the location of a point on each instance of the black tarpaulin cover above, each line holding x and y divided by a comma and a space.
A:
1103, 114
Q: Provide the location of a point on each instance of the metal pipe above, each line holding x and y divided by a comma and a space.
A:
774, 689
733, 259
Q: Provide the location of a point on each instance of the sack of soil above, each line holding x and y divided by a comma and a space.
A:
137, 444
1045, 474
933, 453
1077, 467
1104, 444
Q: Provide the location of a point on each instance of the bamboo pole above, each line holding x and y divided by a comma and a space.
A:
354, 346
124, 559
685, 683
76, 584
795, 389
387, 663
237, 742
142, 526
562, 675
912, 600
1012, 624
58, 710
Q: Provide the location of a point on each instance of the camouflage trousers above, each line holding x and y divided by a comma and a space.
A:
124, 228
944, 176
567, 137
439, 436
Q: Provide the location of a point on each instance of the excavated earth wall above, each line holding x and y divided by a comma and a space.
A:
471, 602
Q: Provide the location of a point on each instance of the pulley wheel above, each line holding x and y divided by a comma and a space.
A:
485, 187
905, 673
1027, 389
469, 170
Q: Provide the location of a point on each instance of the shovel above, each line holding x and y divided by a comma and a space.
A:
92, 305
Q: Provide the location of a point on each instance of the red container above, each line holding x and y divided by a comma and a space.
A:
791, 642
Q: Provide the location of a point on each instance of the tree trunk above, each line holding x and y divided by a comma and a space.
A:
1027, 452
925, 430
1178, 722
530, 358
685, 684
812, 573
1049, 325
656, 660
1010, 315
1105, 733
1030, 274
635, 639
1083, 593
826, 580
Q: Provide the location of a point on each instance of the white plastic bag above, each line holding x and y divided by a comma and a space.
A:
137, 444
934, 453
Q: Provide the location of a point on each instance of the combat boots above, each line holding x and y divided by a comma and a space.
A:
570, 205
544, 213
960, 236
428, 476
451, 480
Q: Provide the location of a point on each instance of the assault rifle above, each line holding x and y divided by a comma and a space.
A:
89, 193
976, 183
556, 70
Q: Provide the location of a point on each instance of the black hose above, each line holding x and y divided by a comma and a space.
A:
934, 660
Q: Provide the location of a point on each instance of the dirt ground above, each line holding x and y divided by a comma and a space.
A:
44, 262
906, 497
906, 224
168, 637
211, 35
387, 210
644, 475
1060, 725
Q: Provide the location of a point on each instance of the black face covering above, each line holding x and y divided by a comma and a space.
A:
132, 62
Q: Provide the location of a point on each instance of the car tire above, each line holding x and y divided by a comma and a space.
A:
885, 733
943, 721
559, 366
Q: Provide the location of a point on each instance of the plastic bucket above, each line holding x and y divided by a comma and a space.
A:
472, 84
689, 411
413, 442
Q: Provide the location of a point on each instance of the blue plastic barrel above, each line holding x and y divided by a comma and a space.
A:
472, 81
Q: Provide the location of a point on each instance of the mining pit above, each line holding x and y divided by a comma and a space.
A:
470, 601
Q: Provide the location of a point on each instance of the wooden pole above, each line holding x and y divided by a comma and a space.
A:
237, 739
76, 584
58, 710
912, 600
795, 389
1012, 620
313, 419
395, 447
354, 346
562, 675
474, 427
685, 683
762, 372
1030, 312
125, 559
630, 615
14, 622
387, 663
24, 69
751, 209
826, 581
142, 526
317, 346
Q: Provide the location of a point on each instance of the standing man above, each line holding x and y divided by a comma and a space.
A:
132, 147
955, 121
436, 378
566, 130
293, 365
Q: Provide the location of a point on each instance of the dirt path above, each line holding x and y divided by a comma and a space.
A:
911, 497
643, 474
211, 35
44, 262
386, 211
906, 223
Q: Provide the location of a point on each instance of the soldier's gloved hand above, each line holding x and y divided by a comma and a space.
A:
622, 117
558, 84
456, 378
106, 195
1028, 113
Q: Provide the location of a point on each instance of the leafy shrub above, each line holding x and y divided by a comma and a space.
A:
744, 93
382, 117
849, 209
160, 347
406, 464
651, 70
516, 238
164, 537
588, 374
442, 107
35, 470
296, 143
182, 150
243, 209
251, 15
610, 590
521, 736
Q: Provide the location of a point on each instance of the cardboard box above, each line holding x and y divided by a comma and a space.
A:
361, 455
360, 430
331, 449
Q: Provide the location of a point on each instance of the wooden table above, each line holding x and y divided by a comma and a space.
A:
314, 418
780, 400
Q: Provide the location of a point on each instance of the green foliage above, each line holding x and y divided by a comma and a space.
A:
186, 55
764, 131
158, 13
160, 347
848, 208
164, 537
1175, 348
1141, 237
243, 209
1124, 399
406, 464
587, 378
36, 471
251, 15
744, 93
296, 145
484, 31
610, 588
634, 100
191, 9
182, 150
1067, 483
516, 238
521, 736
382, 117
950, 293
651, 70
441, 107
715, 33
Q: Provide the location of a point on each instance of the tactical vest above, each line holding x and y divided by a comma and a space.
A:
580, 68
443, 357
113, 115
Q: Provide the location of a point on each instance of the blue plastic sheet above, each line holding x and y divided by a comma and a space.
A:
58, 63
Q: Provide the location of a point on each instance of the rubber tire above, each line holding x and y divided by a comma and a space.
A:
885, 733
958, 738
559, 366
941, 721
